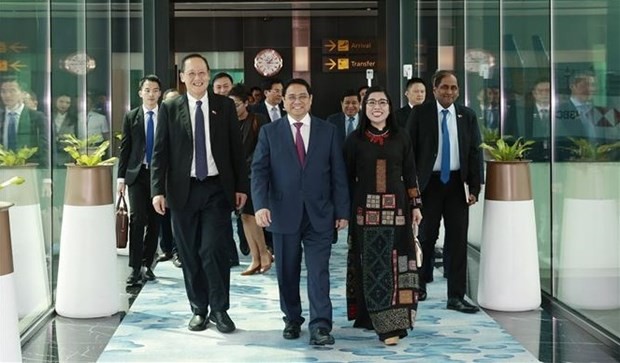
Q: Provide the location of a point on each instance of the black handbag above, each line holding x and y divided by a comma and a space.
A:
122, 222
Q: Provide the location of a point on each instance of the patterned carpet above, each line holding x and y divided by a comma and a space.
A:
155, 329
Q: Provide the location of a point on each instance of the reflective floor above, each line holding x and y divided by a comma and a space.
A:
548, 338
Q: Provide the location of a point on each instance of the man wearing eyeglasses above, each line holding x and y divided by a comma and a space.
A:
300, 193
446, 141
198, 171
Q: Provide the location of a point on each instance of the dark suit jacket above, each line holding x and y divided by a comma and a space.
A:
261, 108
423, 128
31, 132
133, 145
280, 184
339, 120
174, 148
402, 114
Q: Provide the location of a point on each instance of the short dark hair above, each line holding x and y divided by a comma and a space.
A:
13, 79
579, 75
189, 56
440, 75
266, 84
413, 81
239, 92
151, 78
299, 81
169, 90
223, 75
348, 93
256, 88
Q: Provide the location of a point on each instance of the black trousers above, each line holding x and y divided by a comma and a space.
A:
447, 201
144, 222
203, 231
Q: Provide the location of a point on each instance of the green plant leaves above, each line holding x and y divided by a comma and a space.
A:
583, 149
89, 151
502, 151
16, 158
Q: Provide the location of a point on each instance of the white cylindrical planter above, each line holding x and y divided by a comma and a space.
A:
589, 250
87, 278
10, 345
28, 241
509, 279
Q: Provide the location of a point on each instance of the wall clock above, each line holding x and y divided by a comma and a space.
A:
78, 63
477, 58
268, 62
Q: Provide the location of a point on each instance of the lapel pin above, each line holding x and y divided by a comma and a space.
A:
459, 115
213, 112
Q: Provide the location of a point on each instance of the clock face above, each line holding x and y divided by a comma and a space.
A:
78, 63
268, 62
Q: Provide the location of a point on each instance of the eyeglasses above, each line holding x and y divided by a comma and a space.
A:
239, 104
302, 97
382, 102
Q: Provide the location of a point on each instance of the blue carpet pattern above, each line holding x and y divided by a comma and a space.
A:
155, 329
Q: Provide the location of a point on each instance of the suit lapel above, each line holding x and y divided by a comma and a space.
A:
186, 121
284, 131
213, 117
23, 129
434, 125
461, 130
139, 125
315, 134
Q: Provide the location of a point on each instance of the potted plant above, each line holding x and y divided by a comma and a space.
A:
509, 276
589, 205
87, 248
10, 344
16, 163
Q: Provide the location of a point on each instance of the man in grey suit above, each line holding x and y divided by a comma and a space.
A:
446, 141
134, 163
300, 194
198, 171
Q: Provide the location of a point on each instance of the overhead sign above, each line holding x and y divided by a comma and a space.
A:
356, 46
349, 64
6, 66
12, 47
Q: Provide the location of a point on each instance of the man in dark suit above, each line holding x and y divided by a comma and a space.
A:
537, 124
300, 193
198, 171
139, 127
21, 126
446, 143
347, 120
415, 91
272, 105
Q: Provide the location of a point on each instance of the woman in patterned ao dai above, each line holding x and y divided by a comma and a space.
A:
382, 277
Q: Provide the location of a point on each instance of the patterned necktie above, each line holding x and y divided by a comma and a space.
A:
150, 136
350, 127
274, 113
445, 148
200, 144
299, 144
12, 131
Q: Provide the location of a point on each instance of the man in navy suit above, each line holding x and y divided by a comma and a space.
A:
272, 105
198, 170
139, 127
347, 120
300, 193
446, 141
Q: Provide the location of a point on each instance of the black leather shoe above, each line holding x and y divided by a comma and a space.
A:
134, 278
197, 323
149, 275
176, 261
321, 336
461, 305
422, 295
292, 329
222, 321
164, 257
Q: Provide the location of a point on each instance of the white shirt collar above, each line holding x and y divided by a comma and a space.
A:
305, 120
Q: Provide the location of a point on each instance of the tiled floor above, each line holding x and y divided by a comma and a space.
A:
547, 338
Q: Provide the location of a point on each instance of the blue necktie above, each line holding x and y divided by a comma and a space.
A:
200, 144
12, 131
350, 125
150, 136
445, 148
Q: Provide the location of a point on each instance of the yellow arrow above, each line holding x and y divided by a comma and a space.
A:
17, 65
17, 47
331, 64
330, 45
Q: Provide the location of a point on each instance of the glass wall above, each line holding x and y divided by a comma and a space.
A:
547, 71
66, 67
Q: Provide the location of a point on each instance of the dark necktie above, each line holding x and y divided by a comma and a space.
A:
544, 114
12, 131
299, 144
200, 144
274, 113
350, 125
150, 136
445, 148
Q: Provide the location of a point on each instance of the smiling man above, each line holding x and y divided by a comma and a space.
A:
300, 194
198, 171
